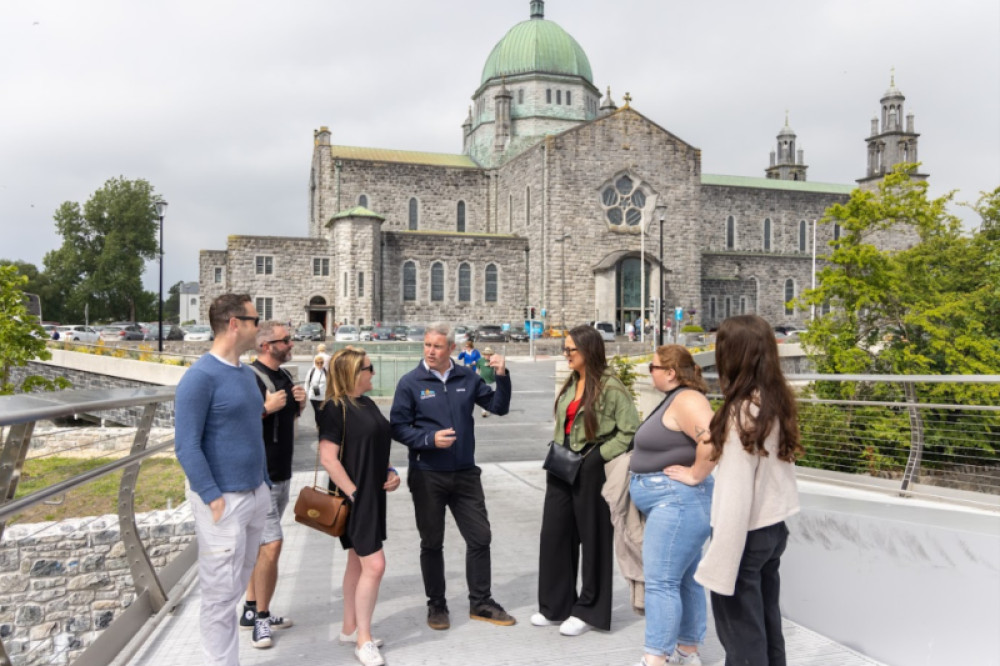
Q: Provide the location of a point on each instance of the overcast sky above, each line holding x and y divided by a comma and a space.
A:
215, 102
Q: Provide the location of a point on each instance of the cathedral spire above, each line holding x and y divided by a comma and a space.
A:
537, 9
891, 141
787, 162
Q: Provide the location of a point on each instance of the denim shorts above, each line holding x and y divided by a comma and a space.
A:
279, 500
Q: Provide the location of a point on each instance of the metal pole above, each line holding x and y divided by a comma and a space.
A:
812, 308
642, 281
659, 331
159, 327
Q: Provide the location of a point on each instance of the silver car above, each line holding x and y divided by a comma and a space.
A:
79, 333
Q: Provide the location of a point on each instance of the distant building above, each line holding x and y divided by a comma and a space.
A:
190, 303
544, 207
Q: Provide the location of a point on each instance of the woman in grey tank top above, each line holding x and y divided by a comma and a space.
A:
677, 511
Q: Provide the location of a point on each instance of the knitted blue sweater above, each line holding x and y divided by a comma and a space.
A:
217, 433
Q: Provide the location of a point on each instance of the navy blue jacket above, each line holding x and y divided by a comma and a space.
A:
423, 404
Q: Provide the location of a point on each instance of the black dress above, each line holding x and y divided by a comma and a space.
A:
366, 460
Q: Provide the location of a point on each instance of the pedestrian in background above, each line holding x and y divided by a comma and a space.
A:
316, 385
354, 443
486, 371
755, 438
596, 417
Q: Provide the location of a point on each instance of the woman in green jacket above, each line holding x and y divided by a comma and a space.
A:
595, 416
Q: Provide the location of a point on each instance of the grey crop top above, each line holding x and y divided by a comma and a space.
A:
657, 446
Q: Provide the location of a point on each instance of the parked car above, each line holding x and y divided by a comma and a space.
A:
310, 331
415, 333
50, 329
365, 332
346, 333
198, 333
170, 332
383, 333
462, 333
518, 335
79, 333
490, 333
399, 332
119, 332
606, 328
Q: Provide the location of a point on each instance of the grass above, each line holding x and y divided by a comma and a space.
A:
161, 480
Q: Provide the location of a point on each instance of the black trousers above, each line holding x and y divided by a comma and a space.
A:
576, 538
462, 493
749, 622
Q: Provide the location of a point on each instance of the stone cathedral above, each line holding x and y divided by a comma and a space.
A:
557, 201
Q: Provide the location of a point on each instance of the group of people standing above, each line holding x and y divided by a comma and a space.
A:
239, 489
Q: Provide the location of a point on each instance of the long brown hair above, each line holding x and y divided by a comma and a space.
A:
679, 359
590, 345
746, 356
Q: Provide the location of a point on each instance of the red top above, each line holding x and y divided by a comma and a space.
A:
571, 409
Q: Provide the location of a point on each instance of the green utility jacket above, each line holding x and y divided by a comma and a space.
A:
617, 418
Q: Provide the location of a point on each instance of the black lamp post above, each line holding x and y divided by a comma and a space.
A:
161, 209
659, 333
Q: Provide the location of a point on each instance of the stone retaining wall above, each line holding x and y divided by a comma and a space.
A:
62, 583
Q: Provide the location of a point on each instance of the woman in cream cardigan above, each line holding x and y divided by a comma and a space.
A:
756, 440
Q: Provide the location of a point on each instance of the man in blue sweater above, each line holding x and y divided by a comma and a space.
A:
219, 444
432, 414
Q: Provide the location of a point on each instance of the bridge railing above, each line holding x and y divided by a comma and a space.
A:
119, 576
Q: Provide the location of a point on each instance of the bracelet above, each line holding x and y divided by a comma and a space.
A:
393, 470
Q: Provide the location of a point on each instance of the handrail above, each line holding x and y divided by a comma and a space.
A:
29, 407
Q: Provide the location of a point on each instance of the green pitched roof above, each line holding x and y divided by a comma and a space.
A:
404, 156
537, 45
357, 211
771, 184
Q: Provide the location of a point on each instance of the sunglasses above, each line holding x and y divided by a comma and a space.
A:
285, 339
653, 366
370, 368
255, 320
568, 350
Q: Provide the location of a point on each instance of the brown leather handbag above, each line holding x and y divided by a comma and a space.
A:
317, 507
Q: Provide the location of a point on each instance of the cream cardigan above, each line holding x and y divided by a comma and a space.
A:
751, 492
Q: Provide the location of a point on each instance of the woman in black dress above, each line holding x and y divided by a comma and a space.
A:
364, 475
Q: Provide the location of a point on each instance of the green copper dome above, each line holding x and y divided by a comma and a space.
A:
537, 45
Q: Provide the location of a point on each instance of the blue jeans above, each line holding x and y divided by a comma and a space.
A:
677, 525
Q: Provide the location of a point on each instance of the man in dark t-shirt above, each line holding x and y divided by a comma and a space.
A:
283, 402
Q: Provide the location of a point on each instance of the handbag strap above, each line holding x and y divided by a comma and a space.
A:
343, 442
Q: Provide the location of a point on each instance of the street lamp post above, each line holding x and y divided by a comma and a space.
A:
161, 209
659, 331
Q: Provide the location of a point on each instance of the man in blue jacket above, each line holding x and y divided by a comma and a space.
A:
432, 414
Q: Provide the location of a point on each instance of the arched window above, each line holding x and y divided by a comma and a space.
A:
729, 307
559, 97
527, 206
789, 296
460, 217
569, 98
825, 309
730, 233
437, 281
491, 284
767, 234
548, 95
802, 235
363, 200
520, 95
464, 283
711, 308
836, 231
409, 281
743, 305
414, 214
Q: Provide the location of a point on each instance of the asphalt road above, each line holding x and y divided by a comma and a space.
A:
520, 435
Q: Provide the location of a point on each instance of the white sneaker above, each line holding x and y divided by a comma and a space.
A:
574, 626
540, 620
691, 660
352, 639
369, 655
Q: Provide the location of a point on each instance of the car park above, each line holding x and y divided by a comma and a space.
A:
198, 333
170, 332
346, 333
415, 333
490, 333
310, 331
120, 332
518, 335
606, 329
78, 333
365, 332
399, 333
462, 333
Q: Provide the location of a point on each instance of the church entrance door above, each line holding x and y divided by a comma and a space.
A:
628, 292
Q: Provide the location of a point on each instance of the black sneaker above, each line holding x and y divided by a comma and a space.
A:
248, 616
437, 617
261, 637
492, 612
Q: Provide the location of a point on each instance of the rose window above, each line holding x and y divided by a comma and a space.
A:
623, 201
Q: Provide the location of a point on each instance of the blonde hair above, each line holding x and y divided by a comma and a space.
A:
679, 359
320, 359
342, 375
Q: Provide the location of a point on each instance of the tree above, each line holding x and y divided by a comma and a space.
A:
105, 245
40, 283
172, 306
22, 338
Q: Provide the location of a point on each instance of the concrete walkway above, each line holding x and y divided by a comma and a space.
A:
308, 591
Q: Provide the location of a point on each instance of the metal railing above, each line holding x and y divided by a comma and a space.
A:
155, 591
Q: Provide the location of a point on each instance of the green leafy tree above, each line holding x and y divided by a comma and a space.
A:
105, 245
40, 283
172, 306
22, 338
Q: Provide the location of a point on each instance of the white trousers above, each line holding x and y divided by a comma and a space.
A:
227, 551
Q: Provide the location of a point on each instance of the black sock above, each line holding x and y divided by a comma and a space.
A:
251, 604
263, 615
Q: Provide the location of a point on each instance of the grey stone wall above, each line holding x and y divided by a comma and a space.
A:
62, 583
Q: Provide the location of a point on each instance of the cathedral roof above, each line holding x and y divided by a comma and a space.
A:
403, 156
771, 184
537, 46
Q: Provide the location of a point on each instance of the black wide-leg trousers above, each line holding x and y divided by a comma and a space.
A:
576, 538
